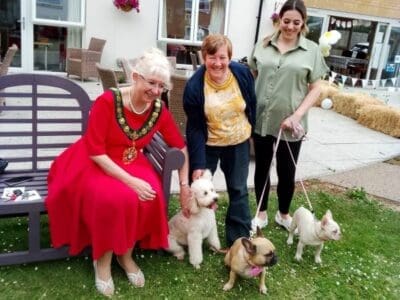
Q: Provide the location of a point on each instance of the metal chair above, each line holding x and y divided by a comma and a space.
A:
82, 62
108, 78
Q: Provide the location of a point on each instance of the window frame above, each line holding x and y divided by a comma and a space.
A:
194, 24
50, 22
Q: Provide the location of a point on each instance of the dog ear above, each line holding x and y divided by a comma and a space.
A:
249, 246
193, 207
259, 232
207, 174
326, 218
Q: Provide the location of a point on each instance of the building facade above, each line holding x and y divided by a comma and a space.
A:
44, 29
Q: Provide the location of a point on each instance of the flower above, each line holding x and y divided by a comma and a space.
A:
327, 39
127, 5
275, 17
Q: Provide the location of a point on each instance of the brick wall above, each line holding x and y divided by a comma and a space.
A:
380, 8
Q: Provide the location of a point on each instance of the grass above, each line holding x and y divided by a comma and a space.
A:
365, 264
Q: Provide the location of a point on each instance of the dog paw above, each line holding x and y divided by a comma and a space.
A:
263, 289
180, 256
196, 266
289, 241
318, 260
227, 286
298, 257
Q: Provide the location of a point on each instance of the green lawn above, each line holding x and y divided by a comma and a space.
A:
365, 264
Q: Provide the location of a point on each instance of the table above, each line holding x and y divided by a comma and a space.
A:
46, 46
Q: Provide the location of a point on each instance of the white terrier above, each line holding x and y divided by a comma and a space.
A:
312, 232
200, 225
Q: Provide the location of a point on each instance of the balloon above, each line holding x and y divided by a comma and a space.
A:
326, 103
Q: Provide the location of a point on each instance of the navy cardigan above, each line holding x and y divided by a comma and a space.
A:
193, 104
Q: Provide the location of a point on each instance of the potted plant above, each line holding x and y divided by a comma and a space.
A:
127, 5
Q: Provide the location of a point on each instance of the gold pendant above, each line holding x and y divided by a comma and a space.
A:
129, 154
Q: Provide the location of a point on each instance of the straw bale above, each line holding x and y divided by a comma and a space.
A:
328, 90
382, 118
348, 104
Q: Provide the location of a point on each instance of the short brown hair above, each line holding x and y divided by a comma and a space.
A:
213, 42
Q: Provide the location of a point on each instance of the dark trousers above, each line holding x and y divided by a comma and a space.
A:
234, 163
285, 168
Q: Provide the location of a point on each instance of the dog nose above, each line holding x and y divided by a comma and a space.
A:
215, 199
274, 260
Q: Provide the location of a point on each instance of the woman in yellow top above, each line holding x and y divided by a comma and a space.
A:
288, 68
219, 101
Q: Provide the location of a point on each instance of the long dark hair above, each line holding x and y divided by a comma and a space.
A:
300, 7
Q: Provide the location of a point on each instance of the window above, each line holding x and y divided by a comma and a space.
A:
314, 25
183, 24
59, 12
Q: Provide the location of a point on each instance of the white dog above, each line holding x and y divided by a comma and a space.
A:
312, 232
200, 225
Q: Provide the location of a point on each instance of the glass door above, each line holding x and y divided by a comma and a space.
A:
10, 29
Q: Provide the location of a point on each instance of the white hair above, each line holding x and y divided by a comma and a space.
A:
153, 62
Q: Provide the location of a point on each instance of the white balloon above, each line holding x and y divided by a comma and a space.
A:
326, 103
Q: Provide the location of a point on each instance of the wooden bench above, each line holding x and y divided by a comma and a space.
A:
43, 116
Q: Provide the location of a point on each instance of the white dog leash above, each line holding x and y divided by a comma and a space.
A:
275, 149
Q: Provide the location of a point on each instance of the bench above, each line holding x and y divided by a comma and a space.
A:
43, 116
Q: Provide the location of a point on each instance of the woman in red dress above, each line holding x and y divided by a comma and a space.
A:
103, 192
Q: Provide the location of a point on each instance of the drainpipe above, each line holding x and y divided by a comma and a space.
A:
258, 20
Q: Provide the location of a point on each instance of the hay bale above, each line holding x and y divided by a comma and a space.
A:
382, 118
349, 104
328, 90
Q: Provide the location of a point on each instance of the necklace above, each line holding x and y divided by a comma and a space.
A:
130, 153
133, 108
219, 86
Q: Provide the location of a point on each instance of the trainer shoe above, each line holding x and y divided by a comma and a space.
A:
283, 222
257, 222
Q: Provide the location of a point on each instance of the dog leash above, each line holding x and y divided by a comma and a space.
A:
275, 149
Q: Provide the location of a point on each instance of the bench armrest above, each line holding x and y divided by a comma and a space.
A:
165, 160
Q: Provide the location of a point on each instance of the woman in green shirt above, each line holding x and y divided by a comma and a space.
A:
288, 68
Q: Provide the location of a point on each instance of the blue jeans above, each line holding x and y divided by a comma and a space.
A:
234, 163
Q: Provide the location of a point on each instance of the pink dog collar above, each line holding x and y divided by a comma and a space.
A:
255, 271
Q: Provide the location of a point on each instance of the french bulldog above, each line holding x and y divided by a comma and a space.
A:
249, 258
312, 232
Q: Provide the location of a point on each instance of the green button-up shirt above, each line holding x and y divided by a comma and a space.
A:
282, 81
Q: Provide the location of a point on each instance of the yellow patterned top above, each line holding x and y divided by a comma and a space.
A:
224, 108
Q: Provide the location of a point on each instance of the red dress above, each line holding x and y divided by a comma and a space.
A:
87, 207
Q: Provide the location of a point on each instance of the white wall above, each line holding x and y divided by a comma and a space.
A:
129, 33
243, 24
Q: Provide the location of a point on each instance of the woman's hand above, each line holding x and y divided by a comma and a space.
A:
292, 124
197, 174
142, 188
184, 198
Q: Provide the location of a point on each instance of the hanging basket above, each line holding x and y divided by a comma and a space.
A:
126, 7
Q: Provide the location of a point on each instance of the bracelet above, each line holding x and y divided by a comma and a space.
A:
183, 183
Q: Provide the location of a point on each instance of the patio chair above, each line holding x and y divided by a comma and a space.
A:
126, 65
4, 65
200, 57
82, 62
108, 78
175, 103
193, 58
